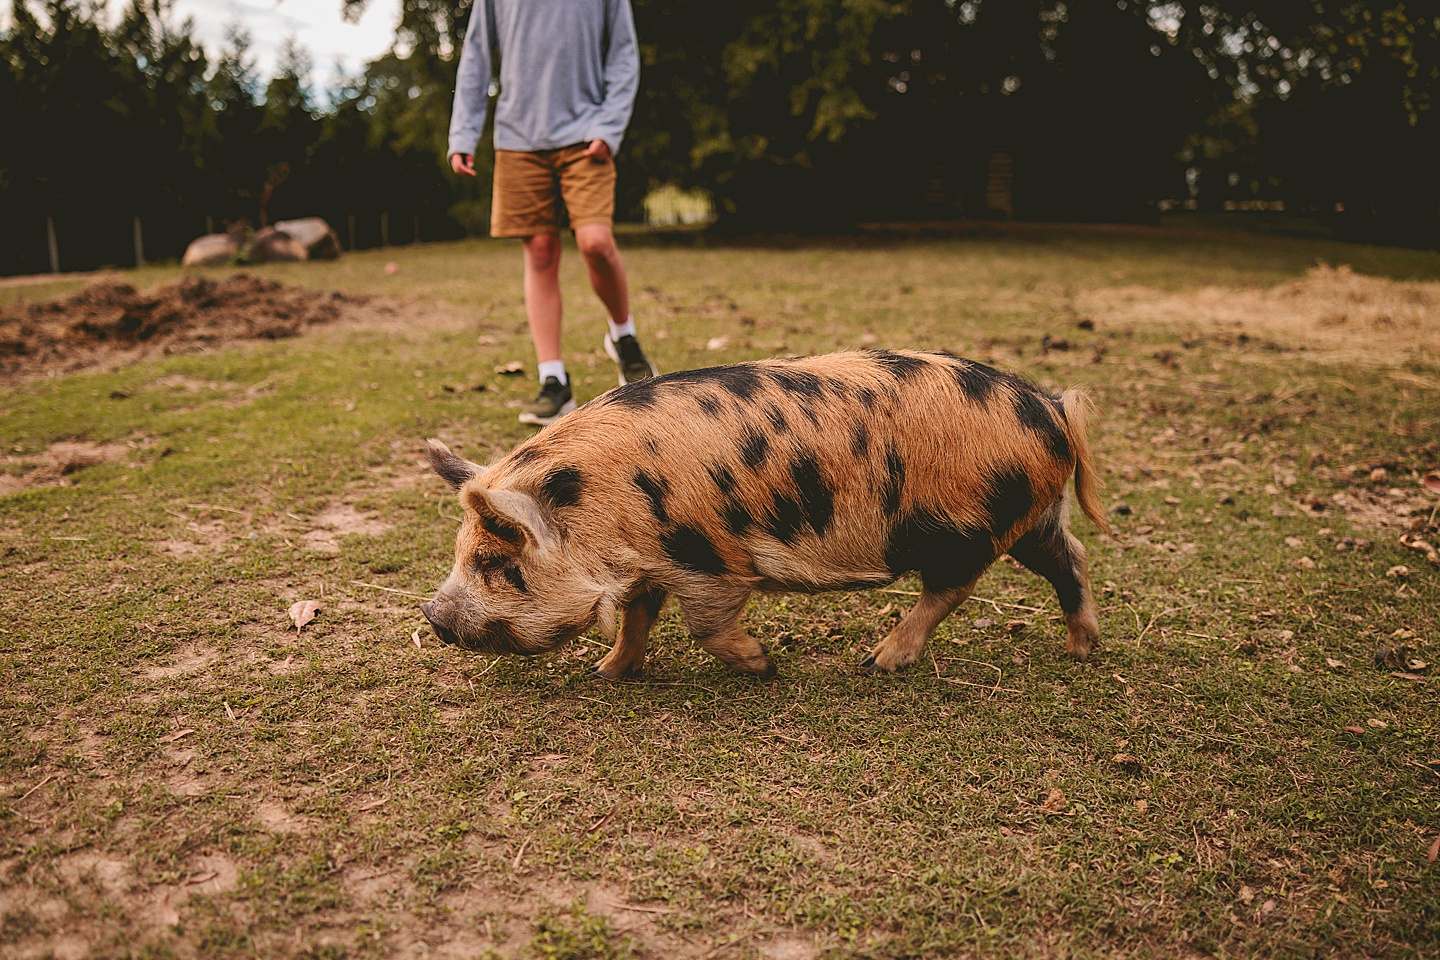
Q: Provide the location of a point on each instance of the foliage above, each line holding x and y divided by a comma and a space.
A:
792, 114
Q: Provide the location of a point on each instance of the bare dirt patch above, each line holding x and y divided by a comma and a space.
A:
1330, 310
55, 466
340, 521
109, 323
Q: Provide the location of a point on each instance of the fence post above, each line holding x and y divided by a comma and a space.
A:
139, 243
54, 244
385, 228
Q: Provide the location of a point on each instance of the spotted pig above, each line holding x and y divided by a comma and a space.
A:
838, 472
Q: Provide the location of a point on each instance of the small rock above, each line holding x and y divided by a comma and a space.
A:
1305, 563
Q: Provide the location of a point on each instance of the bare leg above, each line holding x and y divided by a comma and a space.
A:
908, 638
542, 293
627, 657
1053, 552
716, 625
607, 272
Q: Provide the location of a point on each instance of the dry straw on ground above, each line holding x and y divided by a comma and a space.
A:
1331, 310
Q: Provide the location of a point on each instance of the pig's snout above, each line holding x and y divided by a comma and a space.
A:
433, 613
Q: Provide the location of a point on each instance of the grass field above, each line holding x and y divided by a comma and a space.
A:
183, 774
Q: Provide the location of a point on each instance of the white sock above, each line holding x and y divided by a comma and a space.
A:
553, 368
618, 330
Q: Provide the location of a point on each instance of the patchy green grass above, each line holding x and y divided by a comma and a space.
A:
182, 774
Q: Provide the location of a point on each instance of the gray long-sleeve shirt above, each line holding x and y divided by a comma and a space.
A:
569, 70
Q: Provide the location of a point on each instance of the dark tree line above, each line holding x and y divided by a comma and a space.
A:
793, 114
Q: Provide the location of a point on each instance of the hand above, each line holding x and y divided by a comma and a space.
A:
463, 163
598, 151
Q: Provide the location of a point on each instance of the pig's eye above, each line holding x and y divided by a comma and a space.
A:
488, 567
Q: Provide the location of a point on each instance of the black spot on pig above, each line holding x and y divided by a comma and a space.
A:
860, 442
945, 555
817, 499
776, 416
902, 366
801, 382
975, 380
710, 406
1008, 500
755, 448
562, 487
894, 481
654, 491
691, 549
1034, 412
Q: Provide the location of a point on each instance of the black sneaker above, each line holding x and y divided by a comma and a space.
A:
554, 401
629, 358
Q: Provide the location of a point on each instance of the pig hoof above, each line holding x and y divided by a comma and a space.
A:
629, 673
868, 664
768, 673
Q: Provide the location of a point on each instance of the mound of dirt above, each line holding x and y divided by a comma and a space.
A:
1330, 309
110, 322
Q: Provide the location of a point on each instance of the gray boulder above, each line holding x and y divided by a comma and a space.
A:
315, 235
211, 250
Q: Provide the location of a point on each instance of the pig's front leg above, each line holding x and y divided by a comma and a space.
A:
908, 638
627, 657
715, 623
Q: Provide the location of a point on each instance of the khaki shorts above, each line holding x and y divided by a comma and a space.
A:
528, 186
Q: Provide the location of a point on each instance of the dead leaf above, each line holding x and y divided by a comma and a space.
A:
1353, 729
1305, 563
1434, 851
1126, 760
1415, 543
1432, 482
1247, 895
1406, 676
372, 804
415, 638
717, 343
1334, 664
1142, 806
1377, 724
1055, 802
172, 737
302, 612
511, 369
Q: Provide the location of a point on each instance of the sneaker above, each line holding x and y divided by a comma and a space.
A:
629, 358
554, 401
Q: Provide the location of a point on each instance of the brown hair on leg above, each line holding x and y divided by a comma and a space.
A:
627, 657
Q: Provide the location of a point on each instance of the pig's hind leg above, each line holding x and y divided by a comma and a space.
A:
715, 624
627, 657
1055, 554
903, 645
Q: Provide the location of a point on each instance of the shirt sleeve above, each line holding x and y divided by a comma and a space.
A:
472, 80
622, 75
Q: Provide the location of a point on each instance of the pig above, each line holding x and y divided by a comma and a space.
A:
837, 472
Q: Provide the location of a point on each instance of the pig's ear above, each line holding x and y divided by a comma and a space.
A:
455, 470
510, 515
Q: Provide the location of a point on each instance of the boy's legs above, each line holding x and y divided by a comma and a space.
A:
607, 272
526, 190
542, 293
